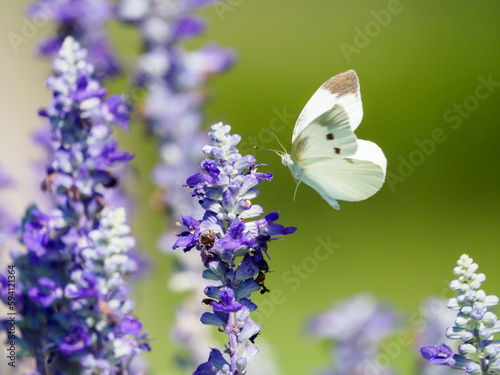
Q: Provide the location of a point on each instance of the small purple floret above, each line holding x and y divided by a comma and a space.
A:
77, 340
439, 355
227, 303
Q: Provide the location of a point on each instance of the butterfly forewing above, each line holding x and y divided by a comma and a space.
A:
329, 135
342, 89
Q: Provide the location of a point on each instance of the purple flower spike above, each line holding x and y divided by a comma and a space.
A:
71, 296
474, 325
173, 81
231, 246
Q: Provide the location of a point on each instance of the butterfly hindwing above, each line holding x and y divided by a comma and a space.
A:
369, 151
342, 89
350, 179
329, 135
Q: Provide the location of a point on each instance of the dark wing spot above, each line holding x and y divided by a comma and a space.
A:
330, 136
337, 150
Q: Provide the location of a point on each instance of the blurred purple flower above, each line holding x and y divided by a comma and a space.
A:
85, 21
437, 318
355, 329
71, 290
173, 111
174, 78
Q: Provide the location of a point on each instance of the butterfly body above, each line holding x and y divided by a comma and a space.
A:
325, 152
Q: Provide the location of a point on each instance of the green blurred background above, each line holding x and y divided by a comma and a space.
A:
402, 243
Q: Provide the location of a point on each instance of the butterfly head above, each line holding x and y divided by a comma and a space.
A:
286, 160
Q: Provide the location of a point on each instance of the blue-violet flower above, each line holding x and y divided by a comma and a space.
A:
70, 284
474, 325
356, 329
172, 79
232, 247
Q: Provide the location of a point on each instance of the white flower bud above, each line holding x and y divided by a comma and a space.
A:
467, 349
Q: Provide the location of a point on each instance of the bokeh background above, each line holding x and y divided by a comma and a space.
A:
415, 69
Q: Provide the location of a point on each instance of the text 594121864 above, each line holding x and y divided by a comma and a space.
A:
11, 302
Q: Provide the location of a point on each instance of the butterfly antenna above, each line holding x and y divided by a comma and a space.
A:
296, 188
284, 149
279, 153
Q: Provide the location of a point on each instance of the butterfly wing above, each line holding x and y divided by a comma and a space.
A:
351, 179
329, 135
325, 152
342, 89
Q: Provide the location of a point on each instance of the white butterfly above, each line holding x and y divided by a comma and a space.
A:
325, 152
